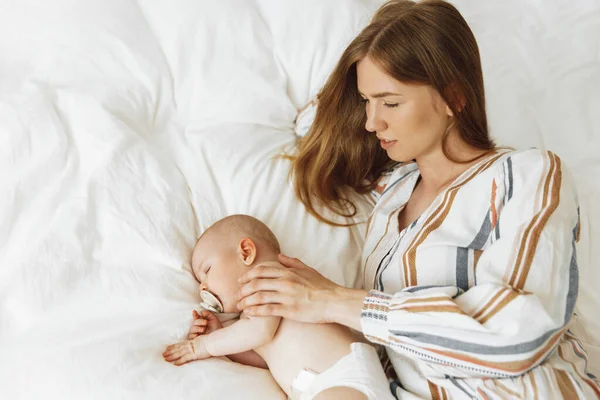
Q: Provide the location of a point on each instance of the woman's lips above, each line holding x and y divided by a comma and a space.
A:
387, 144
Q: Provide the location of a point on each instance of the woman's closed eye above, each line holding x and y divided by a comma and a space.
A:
388, 105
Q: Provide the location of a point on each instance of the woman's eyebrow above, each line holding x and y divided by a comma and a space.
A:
382, 94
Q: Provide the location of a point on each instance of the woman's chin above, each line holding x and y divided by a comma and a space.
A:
399, 157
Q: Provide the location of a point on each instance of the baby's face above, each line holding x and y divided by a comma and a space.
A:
217, 266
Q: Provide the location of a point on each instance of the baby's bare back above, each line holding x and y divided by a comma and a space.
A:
299, 345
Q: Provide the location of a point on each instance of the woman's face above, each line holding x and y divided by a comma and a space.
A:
408, 119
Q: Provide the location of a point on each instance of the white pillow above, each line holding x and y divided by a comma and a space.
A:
246, 176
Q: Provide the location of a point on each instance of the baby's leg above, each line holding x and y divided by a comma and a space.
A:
340, 392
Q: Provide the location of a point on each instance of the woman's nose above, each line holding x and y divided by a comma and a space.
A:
374, 123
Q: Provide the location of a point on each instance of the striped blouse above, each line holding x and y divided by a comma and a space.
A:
482, 285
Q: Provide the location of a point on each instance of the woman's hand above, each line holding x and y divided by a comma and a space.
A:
288, 289
204, 322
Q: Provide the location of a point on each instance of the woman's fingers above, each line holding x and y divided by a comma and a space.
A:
277, 310
290, 262
261, 298
265, 270
264, 285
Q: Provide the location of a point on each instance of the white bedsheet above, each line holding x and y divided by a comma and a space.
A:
127, 127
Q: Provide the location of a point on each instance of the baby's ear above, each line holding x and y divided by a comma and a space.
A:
247, 251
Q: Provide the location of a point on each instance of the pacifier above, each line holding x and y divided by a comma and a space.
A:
210, 302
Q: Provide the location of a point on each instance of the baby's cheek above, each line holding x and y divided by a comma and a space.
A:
229, 297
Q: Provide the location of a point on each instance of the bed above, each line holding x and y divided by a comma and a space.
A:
128, 126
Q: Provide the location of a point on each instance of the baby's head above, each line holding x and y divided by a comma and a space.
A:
226, 250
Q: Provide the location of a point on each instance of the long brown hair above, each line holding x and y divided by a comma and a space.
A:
426, 43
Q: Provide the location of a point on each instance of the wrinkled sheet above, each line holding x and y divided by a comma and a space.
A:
128, 127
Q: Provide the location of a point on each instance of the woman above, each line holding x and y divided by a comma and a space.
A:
470, 249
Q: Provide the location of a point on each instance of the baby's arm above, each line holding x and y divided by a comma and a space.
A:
239, 337
242, 336
207, 322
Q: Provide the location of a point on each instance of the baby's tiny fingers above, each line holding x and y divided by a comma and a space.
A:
177, 355
168, 353
170, 358
192, 336
174, 348
186, 358
206, 314
200, 322
169, 349
197, 329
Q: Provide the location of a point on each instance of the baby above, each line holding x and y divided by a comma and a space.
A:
320, 361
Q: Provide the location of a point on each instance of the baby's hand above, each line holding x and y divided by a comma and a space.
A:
204, 322
186, 351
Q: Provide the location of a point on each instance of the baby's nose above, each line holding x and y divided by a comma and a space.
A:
203, 286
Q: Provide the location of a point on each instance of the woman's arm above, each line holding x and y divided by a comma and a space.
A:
525, 287
345, 307
506, 324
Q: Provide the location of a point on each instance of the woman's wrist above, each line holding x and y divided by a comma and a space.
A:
344, 307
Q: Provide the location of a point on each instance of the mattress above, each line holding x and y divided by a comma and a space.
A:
128, 127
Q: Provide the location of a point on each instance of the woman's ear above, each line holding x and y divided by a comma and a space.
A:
456, 96
247, 251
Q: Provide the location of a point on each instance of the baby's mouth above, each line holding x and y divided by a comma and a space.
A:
211, 302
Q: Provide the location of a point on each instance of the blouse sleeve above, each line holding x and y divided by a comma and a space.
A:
526, 283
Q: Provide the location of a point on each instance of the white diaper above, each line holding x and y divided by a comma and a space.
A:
360, 370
